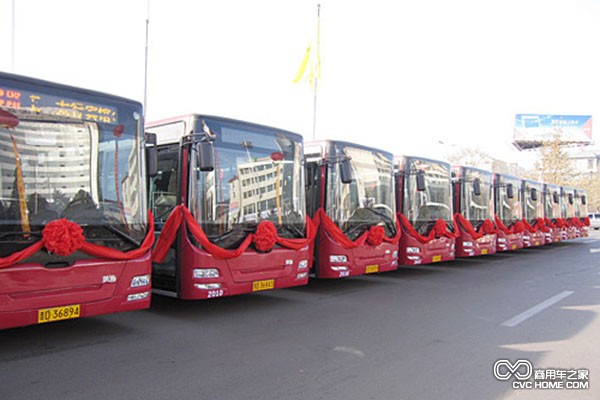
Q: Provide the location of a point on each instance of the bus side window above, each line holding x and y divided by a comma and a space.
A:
163, 196
312, 187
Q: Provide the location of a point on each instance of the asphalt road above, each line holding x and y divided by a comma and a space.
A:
427, 332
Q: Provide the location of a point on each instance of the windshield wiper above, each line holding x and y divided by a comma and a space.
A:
293, 229
363, 226
122, 235
23, 233
237, 230
389, 221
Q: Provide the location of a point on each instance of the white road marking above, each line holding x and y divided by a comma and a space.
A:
350, 350
516, 320
594, 250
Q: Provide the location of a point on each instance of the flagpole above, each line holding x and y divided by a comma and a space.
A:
318, 67
13, 38
146, 60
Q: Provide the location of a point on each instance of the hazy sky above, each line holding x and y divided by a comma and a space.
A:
401, 75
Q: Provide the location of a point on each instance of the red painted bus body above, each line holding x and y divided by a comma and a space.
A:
568, 212
423, 205
532, 204
352, 206
581, 211
552, 212
256, 176
473, 192
70, 159
507, 205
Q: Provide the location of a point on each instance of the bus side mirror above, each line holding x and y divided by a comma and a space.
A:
583, 200
510, 191
151, 155
206, 159
421, 181
477, 187
346, 171
555, 197
534, 194
570, 198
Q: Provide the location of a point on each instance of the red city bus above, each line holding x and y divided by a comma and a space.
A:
75, 233
567, 208
424, 197
507, 205
532, 203
229, 204
350, 193
581, 212
552, 213
473, 191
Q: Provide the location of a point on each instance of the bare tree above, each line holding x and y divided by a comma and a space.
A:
554, 165
471, 156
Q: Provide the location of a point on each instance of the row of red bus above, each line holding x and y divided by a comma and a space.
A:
97, 212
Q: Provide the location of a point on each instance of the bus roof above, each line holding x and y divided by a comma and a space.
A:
53, 85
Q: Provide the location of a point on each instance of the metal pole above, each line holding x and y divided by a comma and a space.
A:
146, 60
317, 68
13, 38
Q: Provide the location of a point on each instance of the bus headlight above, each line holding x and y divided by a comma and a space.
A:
138, 296
206, 273
413, 250
467, 244
208, 286
303, 264
338, 259
140, 280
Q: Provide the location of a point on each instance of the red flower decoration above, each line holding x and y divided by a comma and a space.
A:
375, 235
439, 228
118, 131
265, 236
62, 237
518, 227
487, 227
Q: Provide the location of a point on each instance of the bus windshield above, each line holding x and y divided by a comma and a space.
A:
424, 208
57, 162
508, 209
581, 209
568, 203
551, 208
477, 208
532, 209
258, 176
366, 201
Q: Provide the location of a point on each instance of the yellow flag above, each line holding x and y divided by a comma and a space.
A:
311, 63
303, 65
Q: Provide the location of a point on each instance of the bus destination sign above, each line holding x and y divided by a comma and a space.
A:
58, 106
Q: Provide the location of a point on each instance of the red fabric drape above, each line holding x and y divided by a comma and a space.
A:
574, 221
371, 236
487, 227
439, 229
528, 227
88, 248
549, 223
562, 223
517, 227
181, 215
586, 221
540, 224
